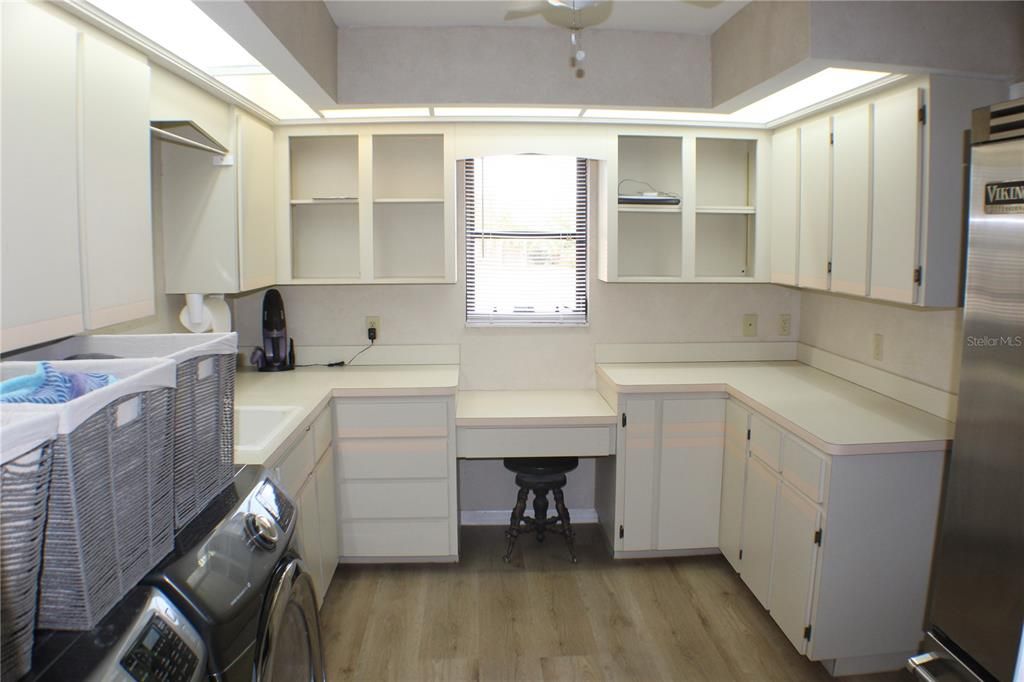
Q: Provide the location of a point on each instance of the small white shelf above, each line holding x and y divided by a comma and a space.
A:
409, 201
332, 200
734, 210
640, 208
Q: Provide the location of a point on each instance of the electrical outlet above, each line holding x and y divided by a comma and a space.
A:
876, 346
750, 324
373, 322
784, 324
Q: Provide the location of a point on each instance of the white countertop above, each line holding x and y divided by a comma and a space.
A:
532, 408
834, 415
311, 388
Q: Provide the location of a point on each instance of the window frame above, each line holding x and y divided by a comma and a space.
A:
585, 191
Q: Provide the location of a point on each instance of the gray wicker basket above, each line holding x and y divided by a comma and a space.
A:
203, 405
25, 439
110, 515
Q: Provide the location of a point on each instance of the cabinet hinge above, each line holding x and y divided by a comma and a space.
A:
817, 537
748, 434
829, 270
741, 555
917, 274
807, 633
622, 532
623, 420
831, 138
922, 115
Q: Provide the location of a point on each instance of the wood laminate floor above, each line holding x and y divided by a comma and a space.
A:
543, 618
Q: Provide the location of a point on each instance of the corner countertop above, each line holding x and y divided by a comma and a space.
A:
835, 415
309, 389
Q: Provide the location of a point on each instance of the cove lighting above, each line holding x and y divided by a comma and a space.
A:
384, 112
184, 30
825, 85
513, 112
820, 87
656, 115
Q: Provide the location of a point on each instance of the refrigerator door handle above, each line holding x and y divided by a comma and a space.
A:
916, 665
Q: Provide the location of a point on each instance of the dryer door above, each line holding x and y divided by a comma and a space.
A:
288, 649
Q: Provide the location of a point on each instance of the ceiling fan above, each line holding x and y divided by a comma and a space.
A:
577, 15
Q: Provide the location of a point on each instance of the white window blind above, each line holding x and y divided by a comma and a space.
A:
526, 239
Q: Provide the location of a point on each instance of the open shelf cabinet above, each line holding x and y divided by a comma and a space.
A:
711, 236
370, 206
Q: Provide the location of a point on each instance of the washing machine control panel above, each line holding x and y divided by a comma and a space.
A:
159, 653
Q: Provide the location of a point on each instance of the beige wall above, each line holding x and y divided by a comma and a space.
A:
521, 66
761, 41
923, 345
306, 29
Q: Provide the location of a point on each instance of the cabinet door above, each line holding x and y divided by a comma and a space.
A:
327, 516
690, 475
734, 472
758, 528
309, 535
41, 274
896, 188
639, 462
257, 264
117, 233
796, 553
815, 189
851, 200
785, 205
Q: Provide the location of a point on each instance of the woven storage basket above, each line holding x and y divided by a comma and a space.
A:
203, 408
25, 459
110, 515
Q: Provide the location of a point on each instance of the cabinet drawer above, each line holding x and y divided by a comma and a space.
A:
766, 441
393, 458
322, 433
295, 467
540, 441
804, 468
392, 499
398, 419
405, 538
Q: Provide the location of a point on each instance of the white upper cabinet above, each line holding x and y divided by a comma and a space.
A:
785, 205
217, 217
815, 197
880, 208
367, 204
117, 233
41, 272
851, 199
896, 188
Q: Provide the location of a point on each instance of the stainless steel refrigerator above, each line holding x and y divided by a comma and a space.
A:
976, 608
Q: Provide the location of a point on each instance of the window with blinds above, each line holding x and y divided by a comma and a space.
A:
526, 239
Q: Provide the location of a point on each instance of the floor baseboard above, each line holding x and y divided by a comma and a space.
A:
500, 517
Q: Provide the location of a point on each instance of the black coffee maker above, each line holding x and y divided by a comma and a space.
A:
278, 351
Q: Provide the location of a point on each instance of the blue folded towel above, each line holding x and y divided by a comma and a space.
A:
47, 385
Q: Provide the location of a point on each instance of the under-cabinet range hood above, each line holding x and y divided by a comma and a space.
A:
187, 134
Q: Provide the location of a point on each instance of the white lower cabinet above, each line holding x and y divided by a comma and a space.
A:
396, 478
671, 466
795, 552
836, 548
306, 473
759, 498
734, 477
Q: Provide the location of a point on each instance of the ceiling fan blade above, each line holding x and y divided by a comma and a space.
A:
527, 9
704, 4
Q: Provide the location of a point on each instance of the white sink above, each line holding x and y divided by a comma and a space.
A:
257, 425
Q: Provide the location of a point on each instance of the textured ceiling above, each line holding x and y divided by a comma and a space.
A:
676, 16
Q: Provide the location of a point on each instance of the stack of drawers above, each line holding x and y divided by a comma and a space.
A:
396, 477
